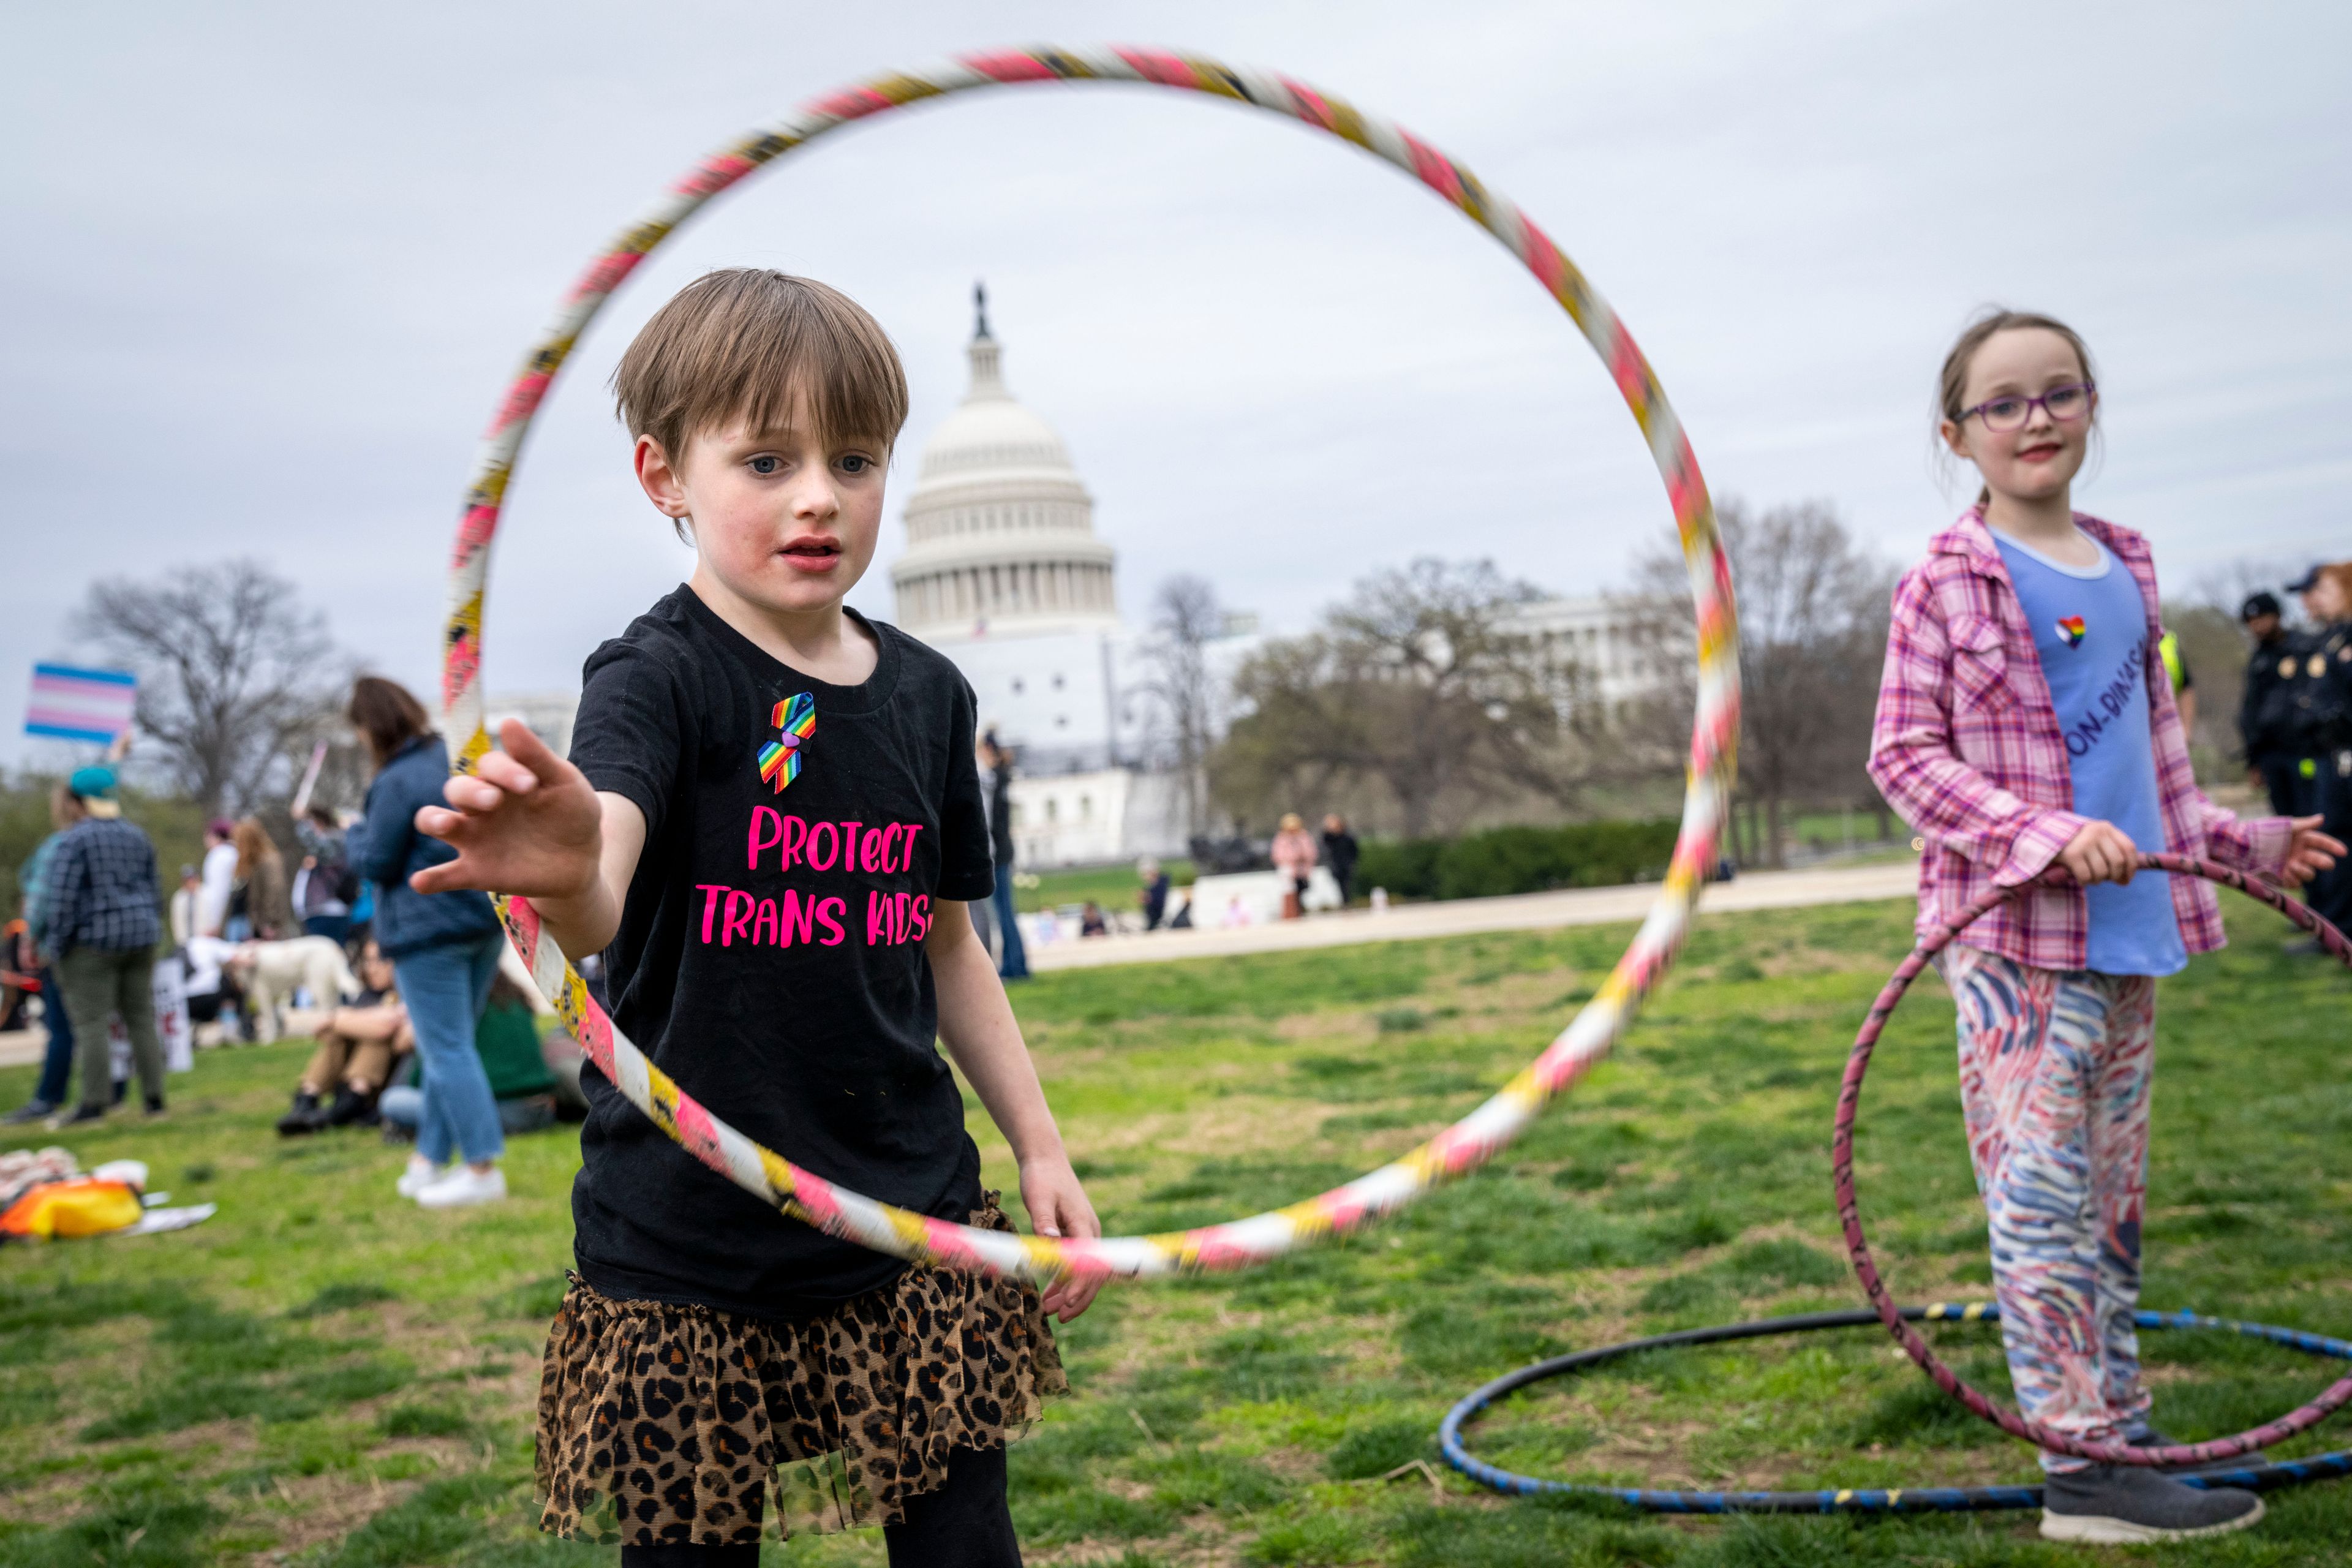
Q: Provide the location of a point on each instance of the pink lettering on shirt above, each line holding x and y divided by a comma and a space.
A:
832, 845
738, 917
871, 852
877, 920
922, 911
763, 925
754, 842
710, 905
793, 915
912, 828
828, 915
796, 836
890, 847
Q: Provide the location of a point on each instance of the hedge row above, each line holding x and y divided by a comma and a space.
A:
1518, 860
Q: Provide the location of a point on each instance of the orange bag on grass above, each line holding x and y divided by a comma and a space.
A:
83, 1207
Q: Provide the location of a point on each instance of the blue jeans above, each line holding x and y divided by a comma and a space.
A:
445, 988
1014, 963
56, 1062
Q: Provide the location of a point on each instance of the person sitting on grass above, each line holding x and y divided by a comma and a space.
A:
360, 1049
507, 1040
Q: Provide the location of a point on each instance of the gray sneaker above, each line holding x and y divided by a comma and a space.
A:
2119, 1505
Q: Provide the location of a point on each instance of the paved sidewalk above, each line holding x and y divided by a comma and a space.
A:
1462, 917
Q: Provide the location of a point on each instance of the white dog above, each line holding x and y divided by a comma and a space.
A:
269, 971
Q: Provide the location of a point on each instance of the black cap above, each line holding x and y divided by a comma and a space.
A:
2258, 605
2303, 585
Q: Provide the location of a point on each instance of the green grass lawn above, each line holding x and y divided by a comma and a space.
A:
323, 1374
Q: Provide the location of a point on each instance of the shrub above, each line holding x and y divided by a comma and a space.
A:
1407, 867
1519, 859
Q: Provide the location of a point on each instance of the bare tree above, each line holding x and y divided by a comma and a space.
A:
2227, 586
1185, 619
1812, 637
234, 673
1422, 682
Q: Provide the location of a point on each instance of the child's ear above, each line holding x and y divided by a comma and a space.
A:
663, 484
1956, 438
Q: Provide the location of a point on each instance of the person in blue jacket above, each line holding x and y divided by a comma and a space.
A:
444, 949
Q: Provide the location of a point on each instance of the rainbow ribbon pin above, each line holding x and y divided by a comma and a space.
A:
796, 720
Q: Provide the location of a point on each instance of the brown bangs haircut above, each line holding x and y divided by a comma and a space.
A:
1952, 386
745, 343
385, 715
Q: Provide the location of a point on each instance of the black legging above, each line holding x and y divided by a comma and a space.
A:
963, 1523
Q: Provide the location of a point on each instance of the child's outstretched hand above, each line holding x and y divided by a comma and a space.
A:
527, 822
2309, 853
1057, 1206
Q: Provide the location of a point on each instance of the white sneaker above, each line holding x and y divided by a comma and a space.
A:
464, 1186
417, 1177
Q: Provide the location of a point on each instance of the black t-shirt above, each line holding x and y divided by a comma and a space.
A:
770, 956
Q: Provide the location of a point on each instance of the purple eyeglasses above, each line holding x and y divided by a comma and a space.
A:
2010, 412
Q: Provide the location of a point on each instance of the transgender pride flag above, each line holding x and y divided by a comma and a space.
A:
73, 704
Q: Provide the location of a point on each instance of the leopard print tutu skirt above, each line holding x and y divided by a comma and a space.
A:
661, 1423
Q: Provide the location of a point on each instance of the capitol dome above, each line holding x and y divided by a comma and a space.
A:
1000, 532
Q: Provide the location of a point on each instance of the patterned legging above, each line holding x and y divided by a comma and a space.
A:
2054, 1075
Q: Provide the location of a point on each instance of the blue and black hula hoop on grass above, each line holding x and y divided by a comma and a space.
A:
1898, 1321
1851, 1499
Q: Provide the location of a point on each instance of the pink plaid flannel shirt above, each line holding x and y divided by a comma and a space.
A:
1967, 747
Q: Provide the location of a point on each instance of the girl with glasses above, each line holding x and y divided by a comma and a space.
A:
2025, 723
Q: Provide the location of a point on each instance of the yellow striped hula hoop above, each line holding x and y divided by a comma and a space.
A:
1463, 1147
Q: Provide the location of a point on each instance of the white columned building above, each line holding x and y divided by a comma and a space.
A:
1000, 532
1003, 573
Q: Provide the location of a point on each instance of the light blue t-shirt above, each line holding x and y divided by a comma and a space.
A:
2090, 628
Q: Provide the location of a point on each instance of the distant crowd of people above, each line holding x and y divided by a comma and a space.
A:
1295, 854
419, 1030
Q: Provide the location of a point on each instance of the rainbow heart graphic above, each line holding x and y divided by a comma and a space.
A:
794, 720
2071, 627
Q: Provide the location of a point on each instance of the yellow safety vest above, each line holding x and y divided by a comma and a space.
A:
2169, 647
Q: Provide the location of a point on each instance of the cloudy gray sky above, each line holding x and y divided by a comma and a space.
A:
269, 265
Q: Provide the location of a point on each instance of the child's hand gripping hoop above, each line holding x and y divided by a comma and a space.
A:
1463, 1147
1841, 1163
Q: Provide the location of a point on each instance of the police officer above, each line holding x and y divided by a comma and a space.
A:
2266, 710
2323, 720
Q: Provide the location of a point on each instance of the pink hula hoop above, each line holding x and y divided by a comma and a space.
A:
2335, 1397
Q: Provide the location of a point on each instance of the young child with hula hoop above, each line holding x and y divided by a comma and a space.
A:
2025, 723
770, 825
